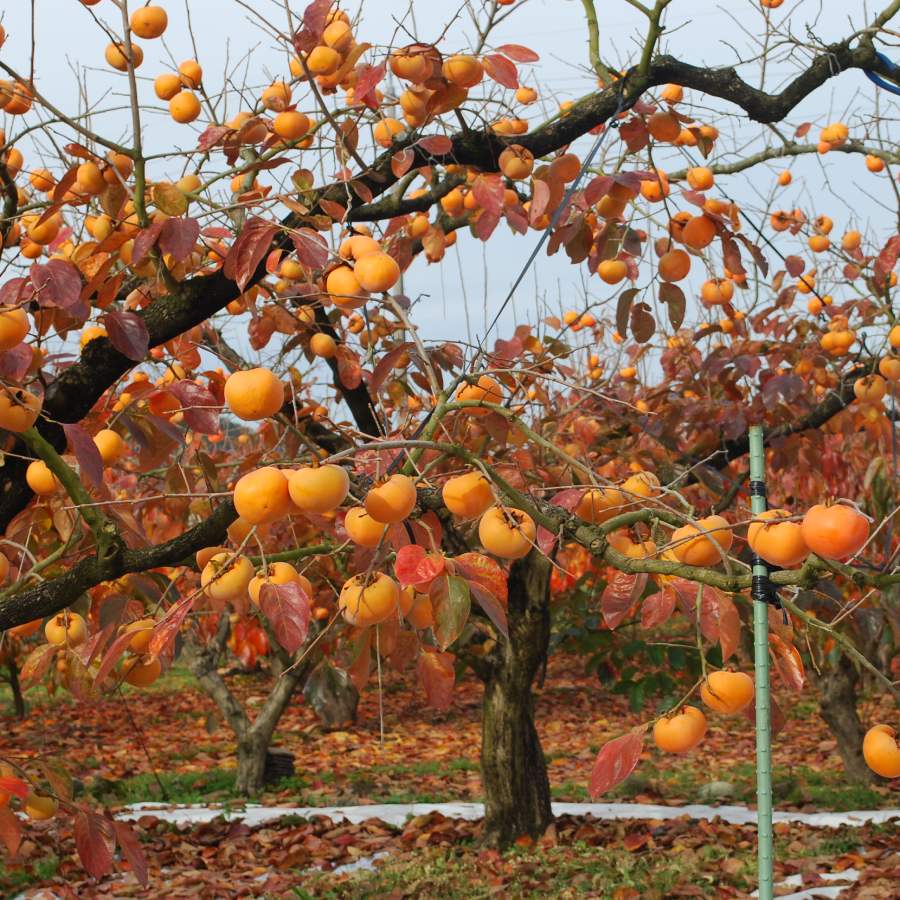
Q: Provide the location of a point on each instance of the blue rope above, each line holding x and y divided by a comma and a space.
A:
877, 79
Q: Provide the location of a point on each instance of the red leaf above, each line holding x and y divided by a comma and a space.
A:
14, 291
485, 225
58, 283
248, 251
310, 247
89, 460
178, 237
9, 784
386, 364
112, 656
10, 830
619, 596
368, 78
95, 841
488, 191
787, 662
436, 144
401, 162
213, 135
349, 367
438, 677
200, 406
128, 333
130, 846
729, 626
634, 133
502, 70
794, 266
540, 199
485, 573
518, 53
144, 242
36, 665
803, 130
657, 609
414, 565
315, 16
168, 626
15, 363
287, 607
333, 209
616, 761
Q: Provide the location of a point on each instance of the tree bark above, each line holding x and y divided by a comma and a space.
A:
16, 689
837, 706
251, 764
513, 771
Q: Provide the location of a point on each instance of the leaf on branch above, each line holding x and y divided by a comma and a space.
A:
518, 53
199, 404
169, 625
310, 247
673, 297
368, 78
619, 596
402, 161
287, 607
502, 70
436, 144
794, 266
540, 199
130, 845
213, 136
112, 656
333, 209
616, 761
127, 332
15, 363
178, 237
90, 462
414, 565
634, 133
10, 830
452, 604
803, 130
170, 199
36, 665
58, 283
484, 572
248, 251
623, 310
657, 609
436, 670
787, 661
349, 367
10, 784
144, 242
777, 719
95, 841
729, 626
643, 325
315, 17
57, 777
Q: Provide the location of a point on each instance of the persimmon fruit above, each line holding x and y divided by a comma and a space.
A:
880, 751
834, 532
393, 500
681, 732
262, 496
253, 394
319, 489
365, 602
727, 692
507, 533
704, 543
468, 495
777, 540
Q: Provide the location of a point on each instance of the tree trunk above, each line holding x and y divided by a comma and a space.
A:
16, 689
251, 765
513, 771
837, 706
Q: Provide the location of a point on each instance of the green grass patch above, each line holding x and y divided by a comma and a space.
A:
14, 879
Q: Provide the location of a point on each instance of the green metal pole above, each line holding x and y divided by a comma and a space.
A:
760, 593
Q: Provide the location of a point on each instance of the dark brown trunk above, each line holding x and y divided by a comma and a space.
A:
16, 689
251, 765
513, 771
837, 706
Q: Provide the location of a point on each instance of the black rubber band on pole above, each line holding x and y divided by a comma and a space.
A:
757, 489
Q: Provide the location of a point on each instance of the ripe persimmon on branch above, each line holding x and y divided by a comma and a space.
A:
184, 498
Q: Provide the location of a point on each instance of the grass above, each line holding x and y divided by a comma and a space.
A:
465, 871
464, 874
17, 878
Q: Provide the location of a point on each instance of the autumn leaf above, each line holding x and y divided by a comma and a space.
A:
657, 609
620, 595
249, 250
414, 565
451, 602
616, 761
95, 842
288, 609
128, 333
437, 674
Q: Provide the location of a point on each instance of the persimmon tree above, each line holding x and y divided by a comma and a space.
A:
377, 497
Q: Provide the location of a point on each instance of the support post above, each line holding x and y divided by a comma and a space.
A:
761, 593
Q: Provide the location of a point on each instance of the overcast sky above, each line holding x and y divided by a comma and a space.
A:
466, 290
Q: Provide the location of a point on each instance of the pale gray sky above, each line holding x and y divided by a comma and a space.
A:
466, 290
